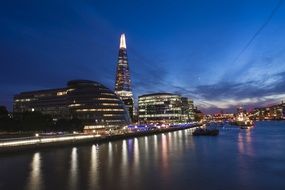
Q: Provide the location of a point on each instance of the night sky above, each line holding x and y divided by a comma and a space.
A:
221, 53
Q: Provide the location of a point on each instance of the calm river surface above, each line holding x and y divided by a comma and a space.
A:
236, 159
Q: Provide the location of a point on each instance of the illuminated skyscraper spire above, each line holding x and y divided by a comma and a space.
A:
123, 41
123, 81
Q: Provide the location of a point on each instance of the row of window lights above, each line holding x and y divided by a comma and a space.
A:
161, 115
91, 110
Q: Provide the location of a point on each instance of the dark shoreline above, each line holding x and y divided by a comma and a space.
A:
95, 140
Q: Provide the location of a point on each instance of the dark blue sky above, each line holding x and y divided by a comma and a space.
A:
221, 53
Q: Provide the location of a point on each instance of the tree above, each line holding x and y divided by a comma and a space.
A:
35, 121
3, 112
69, 125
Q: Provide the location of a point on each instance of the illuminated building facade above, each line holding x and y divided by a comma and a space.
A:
123, 81
94, 104
191, 110
274, 112
163, 108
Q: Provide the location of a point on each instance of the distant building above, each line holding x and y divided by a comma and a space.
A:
220, 117
163, 108
198, 114
123, 81
274, 112
94, 104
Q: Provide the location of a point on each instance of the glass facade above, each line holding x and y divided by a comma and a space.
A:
163, 108
88, 101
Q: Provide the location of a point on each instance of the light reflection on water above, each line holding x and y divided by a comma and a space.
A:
124, 165
244, 143
73, 175
136, 156
165, 155
146, 145
236, 159
155, 144
93, 173
35, 178
110, 156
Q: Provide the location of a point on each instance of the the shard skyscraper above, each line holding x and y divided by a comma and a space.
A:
123, 81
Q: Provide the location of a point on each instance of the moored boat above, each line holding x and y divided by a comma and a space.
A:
242, 119
205, 132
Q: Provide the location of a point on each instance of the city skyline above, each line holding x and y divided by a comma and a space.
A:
221, 55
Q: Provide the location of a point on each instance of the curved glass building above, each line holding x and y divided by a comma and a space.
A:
97, 106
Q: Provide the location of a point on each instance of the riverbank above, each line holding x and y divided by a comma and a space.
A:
20, 144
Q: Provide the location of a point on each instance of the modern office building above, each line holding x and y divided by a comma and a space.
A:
94, 104
123, 81
163, 108
184, 109
191, 110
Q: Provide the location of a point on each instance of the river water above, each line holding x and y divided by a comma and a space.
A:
236, 159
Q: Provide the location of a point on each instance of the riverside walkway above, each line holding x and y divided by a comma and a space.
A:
37, 141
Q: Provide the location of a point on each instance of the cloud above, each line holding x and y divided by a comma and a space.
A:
252, 93
228, 95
